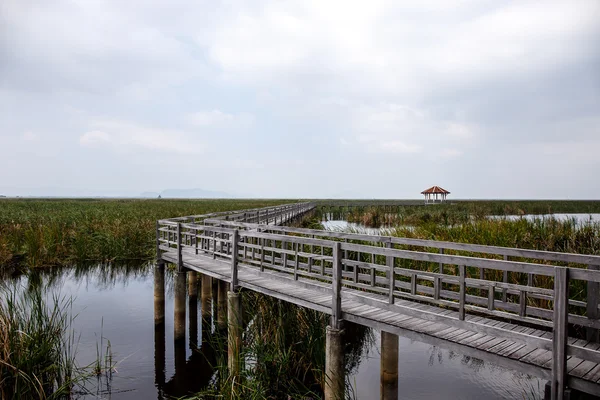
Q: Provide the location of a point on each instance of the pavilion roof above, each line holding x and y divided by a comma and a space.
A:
435, 190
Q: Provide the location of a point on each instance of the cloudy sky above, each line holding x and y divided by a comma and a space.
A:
310, 98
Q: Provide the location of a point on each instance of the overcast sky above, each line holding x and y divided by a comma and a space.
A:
366, 99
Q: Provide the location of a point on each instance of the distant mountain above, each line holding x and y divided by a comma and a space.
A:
187, 194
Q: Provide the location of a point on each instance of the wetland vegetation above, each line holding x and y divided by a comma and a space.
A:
49, 232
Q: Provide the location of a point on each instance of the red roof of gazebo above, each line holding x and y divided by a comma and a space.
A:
435, 190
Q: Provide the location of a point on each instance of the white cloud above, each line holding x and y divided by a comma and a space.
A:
94, 139
395, 128
206, 118
123, 135
29, 136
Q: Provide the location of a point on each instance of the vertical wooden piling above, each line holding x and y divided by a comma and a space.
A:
389, 366
205, 298
159, 294
179, 314
234, 315
559, 337
334, 364
593, 295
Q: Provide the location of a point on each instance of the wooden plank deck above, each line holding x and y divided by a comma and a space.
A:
400, 318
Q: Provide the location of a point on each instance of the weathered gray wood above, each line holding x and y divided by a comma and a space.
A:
179, 248
593, 296
559, 342
234, 260
463, 292
336, 298
491, 297
389, 261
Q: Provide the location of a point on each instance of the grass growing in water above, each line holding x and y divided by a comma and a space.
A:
37, 354
284, 352
456, 212
66, 231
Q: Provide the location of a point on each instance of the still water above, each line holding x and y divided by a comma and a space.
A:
116, 304
578, 218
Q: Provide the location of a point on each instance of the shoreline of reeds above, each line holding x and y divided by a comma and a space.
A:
61, 232
38, 346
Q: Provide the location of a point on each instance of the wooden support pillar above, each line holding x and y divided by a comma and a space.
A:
234, 315
334, 348
159, 294
193, 308
559, 337
205, 298
234, 333
334, 364
389, 366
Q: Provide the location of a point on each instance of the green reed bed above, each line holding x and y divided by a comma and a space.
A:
457, 212
44, 232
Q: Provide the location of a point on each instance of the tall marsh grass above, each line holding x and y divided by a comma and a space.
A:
284, 352
37, 346
456, 212
50, 232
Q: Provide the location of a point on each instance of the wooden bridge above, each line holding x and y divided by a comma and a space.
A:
527, 310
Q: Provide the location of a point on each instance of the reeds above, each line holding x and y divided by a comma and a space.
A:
457, 212
284, 352
51, 232
37, 346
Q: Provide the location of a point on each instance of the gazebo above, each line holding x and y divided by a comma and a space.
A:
435, 194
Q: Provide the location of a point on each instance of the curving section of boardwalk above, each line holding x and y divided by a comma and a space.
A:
509, 306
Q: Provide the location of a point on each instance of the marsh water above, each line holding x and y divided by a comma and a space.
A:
115, 303
579, 218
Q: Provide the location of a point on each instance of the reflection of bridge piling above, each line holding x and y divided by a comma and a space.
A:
193, 308
159, 326
222, 305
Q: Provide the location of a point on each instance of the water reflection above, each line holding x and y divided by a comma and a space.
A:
118, 302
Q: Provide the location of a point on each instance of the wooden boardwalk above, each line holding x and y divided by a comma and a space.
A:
507, 306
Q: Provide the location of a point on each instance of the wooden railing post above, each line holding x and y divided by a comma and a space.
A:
234, 259
462, 296
179, 253
336, 306
158, 252
505, 280
559, 338
389, 261
593, 294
